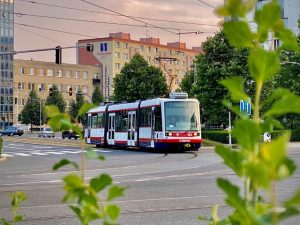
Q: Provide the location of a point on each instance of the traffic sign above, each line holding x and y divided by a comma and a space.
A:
245, 106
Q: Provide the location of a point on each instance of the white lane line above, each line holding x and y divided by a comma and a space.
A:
7, 155
35, 146
16, 148
16, 145
182, 175
55, 153
21, 154
71, 152
104, 151
38, 153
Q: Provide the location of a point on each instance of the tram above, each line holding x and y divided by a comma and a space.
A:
161, 123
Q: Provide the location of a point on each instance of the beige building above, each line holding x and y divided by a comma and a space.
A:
40, 76
112, 52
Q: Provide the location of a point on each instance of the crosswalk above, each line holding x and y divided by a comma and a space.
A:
48, 152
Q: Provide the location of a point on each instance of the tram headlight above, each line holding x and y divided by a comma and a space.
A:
168, 134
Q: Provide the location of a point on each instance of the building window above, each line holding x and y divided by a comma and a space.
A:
149, 49
142, 48
103, 47
85, 75
21, 86
49, 86
21, 70
126, 56
59, 87
50, 72
117, 55
117, 44
68, 87
126, 45
31, 71
156, 50
59, 73
21, 101
77, 87
41, 87
41, 72
117, 66
30, 86
68, 74
149, 59
85, 89
77, 74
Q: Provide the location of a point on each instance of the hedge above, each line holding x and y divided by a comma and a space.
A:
222, 136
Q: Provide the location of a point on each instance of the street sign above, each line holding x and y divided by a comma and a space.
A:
245, 106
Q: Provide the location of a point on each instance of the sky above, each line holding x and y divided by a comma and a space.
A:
31, 17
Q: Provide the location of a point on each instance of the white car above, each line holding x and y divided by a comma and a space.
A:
46, 132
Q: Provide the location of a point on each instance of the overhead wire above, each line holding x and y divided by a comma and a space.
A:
94, 21
113, 14
207, 4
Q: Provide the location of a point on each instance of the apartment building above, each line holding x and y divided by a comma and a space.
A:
112, 52
40, 76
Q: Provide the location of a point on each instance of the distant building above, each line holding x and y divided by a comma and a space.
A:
6, 61
114, 51
41, 76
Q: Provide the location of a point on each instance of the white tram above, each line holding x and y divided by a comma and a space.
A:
160, 123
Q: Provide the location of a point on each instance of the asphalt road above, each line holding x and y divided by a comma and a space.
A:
166, 189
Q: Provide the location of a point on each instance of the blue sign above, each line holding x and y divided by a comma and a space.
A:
245, 106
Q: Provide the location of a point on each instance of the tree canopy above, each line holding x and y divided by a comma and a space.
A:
31, 111
76, 105
56, 99
138, 80
97, 97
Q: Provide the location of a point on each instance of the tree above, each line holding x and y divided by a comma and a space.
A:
187, 83
33, 112
289, 77
76, 105
97, 97
56, 99
138, 80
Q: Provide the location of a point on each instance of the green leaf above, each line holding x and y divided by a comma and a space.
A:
18, 218
90, 154
288, 40
289, 212
101, 182
65, 162
51, 111
275, 152
294, 201
214, 214
85, 108
266, 18
61, 121
254, 168
115, 192
247, 133
239, 34
263, 65
288, 103
101, 157
232, 192
73, 181
235, 85
235, 8
77, 130
113, 212
4, 221
231, 158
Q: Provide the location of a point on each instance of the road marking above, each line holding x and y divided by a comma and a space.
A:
7, 155
55, 153
21, 154
38, 153
34, 146
104, 151
16, 148
71, 152
16, 144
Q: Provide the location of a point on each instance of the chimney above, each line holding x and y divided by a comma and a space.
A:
150, 40
180, 45
120, 35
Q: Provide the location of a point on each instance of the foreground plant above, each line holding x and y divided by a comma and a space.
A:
258, 165
83, 196
15, 200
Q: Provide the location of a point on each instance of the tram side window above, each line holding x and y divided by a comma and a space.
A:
145, 117
94, 120
98, 120
158, 122
121, 121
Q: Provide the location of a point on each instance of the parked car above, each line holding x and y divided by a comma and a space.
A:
69, 134
46, 132
11, 131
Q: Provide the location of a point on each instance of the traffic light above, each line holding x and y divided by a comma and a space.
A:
89, 47
50, 91
16, 100
58, 53
70, 91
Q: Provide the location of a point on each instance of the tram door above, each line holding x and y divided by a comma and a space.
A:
152, 127
111, 129
131, 128
87, 131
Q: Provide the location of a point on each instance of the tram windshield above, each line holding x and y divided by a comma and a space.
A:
182, 116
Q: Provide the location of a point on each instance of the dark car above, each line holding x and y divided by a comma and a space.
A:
69, 134
11, 131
